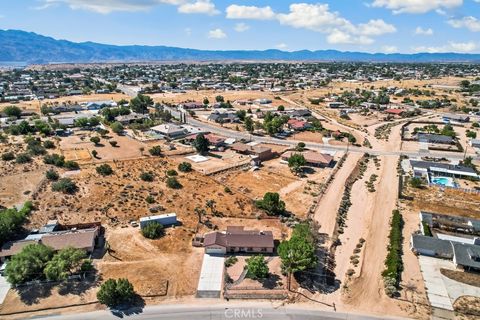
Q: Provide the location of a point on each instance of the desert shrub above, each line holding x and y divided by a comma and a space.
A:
54, 159
23, 158
71, 165
65, 185
104, 169
153, 230
184, 167
147, 176
230, 261
172, 173
8, 156
52, 175
173, 183
155, 151
48, 144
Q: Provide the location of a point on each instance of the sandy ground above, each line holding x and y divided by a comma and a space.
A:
298, 193
327, 209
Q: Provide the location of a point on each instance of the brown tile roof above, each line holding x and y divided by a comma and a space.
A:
238, 237
81, 239
311, 157
11, 248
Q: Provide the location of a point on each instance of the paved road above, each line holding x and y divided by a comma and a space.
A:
218, 312
266, 139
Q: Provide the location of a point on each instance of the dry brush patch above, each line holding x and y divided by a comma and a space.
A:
121, 197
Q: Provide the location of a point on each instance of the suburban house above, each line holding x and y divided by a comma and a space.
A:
475, 143
263, 101
130, 118
459, 118
169, 130
425, 168
312, 158
97, 105
395, 112
256, 152
464, 256
336, 105
223, 117
298, 125
302, 113
192, 105
56, 236
236, 239
168, 219
213, 139
435, 138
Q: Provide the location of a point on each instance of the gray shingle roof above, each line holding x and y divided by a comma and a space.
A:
441, 248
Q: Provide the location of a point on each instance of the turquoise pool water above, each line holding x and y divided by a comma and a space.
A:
444, 181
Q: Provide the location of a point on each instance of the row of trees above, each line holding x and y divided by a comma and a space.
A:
37, 261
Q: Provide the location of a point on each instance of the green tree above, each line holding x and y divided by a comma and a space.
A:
185, 167
141, 103
28, 264
13, 111
416, 182
272, 204
219, 99
11, 220
155, 151
172, 173
117, 127
63, 263
296, 162
54, 159
152, 230
281, 108
201, 144
257, 267
116, 292
65, 185
300, 147
249, 124
94, 153
206, 102
297, 254
104, 169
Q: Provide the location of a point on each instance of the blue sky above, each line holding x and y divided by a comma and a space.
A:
405, 26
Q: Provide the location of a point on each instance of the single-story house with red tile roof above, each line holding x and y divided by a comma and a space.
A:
213, 139
298, 124
396, 112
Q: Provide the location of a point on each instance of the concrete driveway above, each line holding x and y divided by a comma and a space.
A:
442, 291
4, 287
211, 277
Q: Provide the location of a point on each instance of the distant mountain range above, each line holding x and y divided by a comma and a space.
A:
31, 48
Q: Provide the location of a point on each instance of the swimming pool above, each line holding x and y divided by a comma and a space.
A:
444, 181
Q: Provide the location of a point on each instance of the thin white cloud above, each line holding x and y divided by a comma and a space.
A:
470, 23
460, 47
416, 6
282, 46
389, 49
424, 32
200, 6
241, 27
108, 6
249, 12
217, 34
188, 31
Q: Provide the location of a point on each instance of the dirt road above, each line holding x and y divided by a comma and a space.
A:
326, 212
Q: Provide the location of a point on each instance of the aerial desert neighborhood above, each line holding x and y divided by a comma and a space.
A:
334, 177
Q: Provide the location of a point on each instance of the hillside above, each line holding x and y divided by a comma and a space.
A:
27, 47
